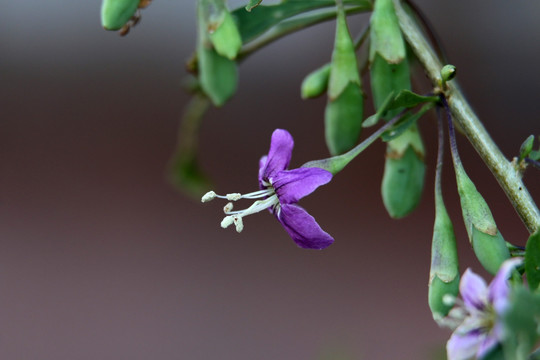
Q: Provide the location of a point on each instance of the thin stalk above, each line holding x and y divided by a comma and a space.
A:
506, 174
289, 26
337, 163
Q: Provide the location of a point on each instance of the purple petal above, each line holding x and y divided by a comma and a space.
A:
292, 185
464, 346
303, 228
499, 289
262, 163
279, 154
473, 290
487, 345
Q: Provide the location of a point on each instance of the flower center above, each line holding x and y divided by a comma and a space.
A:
269, 200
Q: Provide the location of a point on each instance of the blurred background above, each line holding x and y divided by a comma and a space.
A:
101, 258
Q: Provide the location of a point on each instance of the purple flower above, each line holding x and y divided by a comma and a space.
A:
476, 319
280, 190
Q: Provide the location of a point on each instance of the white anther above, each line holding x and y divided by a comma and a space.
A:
208, 196
234, 196
227, 221
228, 208
238, 223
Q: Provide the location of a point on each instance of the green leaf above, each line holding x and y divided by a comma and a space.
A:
343, 119
116, 13
520, 322
344, 66
535, 155
403, 180
407, 99
407, 120
374, 119
263, 18
526, 147
252, 4
386, 38
532, 261
316, 83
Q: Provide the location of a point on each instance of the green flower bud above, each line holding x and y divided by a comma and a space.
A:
386, 38
438, 294
224, 34
448, 72
404, 171
316, 83
116, 13
218, 75
345, 107
343, 119
444, 270
486, 240
526, 147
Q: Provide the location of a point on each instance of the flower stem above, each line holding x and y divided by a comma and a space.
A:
506, 174
337, 163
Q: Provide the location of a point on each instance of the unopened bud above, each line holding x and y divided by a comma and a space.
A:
448, 72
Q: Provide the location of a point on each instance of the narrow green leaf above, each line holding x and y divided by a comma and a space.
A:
407, 99
263, 17
374, 119
532, 261
407, 120
252, 4
343, 119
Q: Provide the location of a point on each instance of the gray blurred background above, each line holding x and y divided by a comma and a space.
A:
101, 258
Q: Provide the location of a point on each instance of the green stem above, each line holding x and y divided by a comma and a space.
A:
289, 26
503, 170
337, 163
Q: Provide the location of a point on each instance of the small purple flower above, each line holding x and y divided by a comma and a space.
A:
476, 319
280, 190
